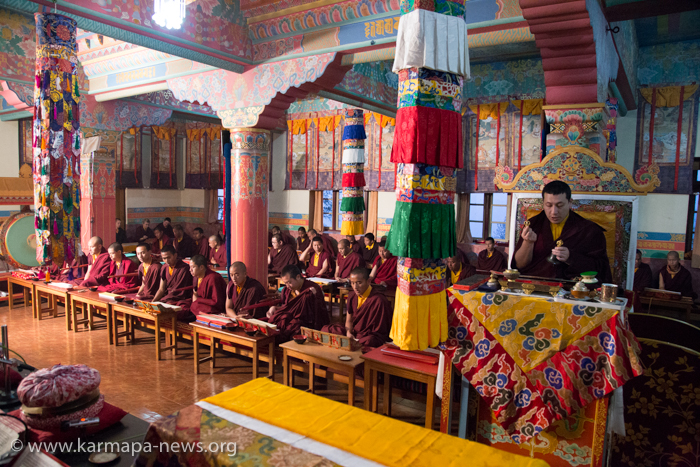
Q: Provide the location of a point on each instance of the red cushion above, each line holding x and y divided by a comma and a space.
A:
58, 385
109, 415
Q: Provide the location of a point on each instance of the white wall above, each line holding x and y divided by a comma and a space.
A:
281, 200
626, 138
386, 204
9, 156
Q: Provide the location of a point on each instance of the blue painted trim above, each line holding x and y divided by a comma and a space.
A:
151, 81
338, 48
354, 103
360, 96
15, 116
155, 62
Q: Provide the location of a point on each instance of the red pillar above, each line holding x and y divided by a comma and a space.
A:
249, 207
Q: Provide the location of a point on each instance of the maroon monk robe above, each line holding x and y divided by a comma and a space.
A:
356, 247
167, 230
252, 292
140, 232
347, 263
497, 262
158, 244
329, 246
307, 309
151, 279
371, 323
201, 247
370, 254
288, 239
303, 243
117, 284
467, 270
219, 255
643, 278
211, 294
184, 247
285, 256
386, 272
98, 272
681, 282
178, 279
585, 241
313, 271
75, 272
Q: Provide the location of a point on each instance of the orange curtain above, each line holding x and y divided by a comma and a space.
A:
372, 207
463, 232
316, 221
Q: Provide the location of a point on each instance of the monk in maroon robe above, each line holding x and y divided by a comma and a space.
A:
643, 277
458, 268
243, 291
144, 231
149, 272
161, 242
209, 294
98, 265
76, 270
120, 266
354, 244
675, 277
370, 251
183, 243
491, 259
302, 305
175, 284
384, 269
369, 313
217, 252
583, 249
167, 228
303, 240
320, 263
281, 256
286, 237
348, 260
201, 244
328, 244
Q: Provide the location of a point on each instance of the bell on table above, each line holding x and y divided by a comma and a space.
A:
553, 259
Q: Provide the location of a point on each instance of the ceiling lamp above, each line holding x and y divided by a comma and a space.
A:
169, 13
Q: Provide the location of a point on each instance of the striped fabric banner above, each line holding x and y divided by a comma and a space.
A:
353, 202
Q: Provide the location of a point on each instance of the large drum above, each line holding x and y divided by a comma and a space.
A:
18, 240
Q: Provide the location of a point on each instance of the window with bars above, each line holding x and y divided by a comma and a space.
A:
332, 218
221, 204
693, 207
488, 215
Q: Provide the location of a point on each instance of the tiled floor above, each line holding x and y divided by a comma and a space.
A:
131, 377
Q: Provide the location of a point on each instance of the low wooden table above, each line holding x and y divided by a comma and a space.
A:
235, 337
5, 276
90, 301
54, 293
324, 356
684, 304
27, 290
130, 313
376, 361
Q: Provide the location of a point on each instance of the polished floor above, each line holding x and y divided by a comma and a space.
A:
131, 377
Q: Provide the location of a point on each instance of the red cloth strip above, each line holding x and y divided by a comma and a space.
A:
291, 158
208, 161
333, 163
353, 179
137, 151
306, 156
157, 145
678, 138
379, 175
121, 156
318, 149
170, 163
425, 135
476, 148
651, 123
498, 139
200, 156
520, 146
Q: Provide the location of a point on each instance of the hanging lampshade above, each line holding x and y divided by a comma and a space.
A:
169, 13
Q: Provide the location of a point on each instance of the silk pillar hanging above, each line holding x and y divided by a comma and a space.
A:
353, 202
56, 140
431, 58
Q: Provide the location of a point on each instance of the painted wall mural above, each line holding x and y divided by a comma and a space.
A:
374, 80
501, 81
120, 115
669, 64
167, 99
17, 46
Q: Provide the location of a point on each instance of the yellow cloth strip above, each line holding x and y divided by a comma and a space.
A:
419, 321
352, 228
496, 109
669, 96
371, 436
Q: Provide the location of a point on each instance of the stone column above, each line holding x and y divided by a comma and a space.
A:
250, 151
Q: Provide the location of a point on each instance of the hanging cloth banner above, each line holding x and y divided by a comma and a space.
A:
353, 203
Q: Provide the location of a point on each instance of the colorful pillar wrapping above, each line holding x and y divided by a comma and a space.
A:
56, 140
431, 59
353, 203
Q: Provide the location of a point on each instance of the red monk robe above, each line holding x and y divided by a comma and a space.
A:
118, 284
75, 273
347, 263
167, 231
329, 246
371, 323
585, 241
356, 247
643, 278
285, 256
680, 281
370, 254
176, 278
150, 277
158, 244
251, 292
201, 247
218, 255
466, 271
303, 243
307, 309
386, 272
184, 247
99, 270
141, 232
316, 264
211, 294
497, 261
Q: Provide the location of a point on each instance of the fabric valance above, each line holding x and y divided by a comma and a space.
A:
669, 96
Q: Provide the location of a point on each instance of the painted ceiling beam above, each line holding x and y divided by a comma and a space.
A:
648, 9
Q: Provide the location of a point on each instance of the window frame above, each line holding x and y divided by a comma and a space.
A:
335, 221
488, 216
692, 199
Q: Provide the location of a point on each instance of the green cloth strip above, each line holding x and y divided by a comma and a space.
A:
421, 230
352, 204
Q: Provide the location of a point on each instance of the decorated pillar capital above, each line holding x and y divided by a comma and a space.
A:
577, 125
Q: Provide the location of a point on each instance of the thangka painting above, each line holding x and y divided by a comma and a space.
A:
204, 161
128, 158
164, 147
379, 170
25, 141
667, 127
322, 169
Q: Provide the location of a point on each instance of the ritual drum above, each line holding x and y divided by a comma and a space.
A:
18, 240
